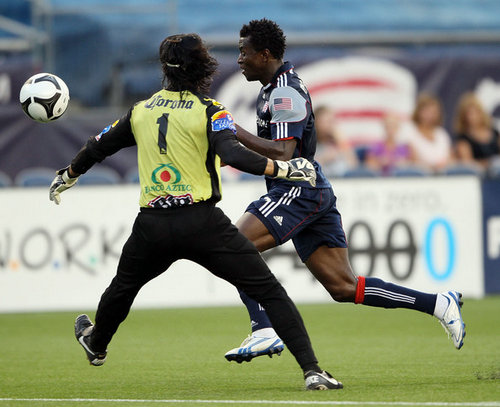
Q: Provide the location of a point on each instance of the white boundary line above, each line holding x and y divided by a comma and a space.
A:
283, 402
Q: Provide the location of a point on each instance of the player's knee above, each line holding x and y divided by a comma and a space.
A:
342, 296
342, 291
336, 276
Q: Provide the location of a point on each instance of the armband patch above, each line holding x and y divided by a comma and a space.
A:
105, 130
223, 120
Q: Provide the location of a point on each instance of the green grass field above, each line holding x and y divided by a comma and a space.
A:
175, 357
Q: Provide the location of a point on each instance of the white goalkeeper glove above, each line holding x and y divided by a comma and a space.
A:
296, 169
61, 183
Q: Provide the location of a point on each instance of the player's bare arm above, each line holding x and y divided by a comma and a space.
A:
275, 150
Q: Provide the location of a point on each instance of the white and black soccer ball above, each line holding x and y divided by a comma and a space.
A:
44, 97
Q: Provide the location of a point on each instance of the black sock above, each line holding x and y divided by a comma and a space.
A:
311, 366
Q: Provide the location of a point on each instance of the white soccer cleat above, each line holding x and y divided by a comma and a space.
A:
83, 330
253, 346
321, 381
452, 319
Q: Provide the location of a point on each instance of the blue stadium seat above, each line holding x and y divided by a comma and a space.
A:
35, 177
100, 176
132, 176
5, 180
245, 176
494, 168
410, 171
361, 172
494, 173
464, 169
361, 153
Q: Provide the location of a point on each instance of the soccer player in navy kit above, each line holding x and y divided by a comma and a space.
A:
306, 215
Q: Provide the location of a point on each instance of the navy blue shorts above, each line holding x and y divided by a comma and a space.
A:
308, 216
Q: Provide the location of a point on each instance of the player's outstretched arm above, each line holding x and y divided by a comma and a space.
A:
64, 180
236, 155
113, 138
282, 150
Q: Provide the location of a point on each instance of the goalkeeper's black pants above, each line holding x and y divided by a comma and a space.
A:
204, 234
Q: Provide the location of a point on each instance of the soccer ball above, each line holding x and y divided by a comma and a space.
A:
44, 97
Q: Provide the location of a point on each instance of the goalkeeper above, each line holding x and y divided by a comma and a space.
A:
180, 135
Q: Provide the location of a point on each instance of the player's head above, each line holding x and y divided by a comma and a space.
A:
186, 63
262, 46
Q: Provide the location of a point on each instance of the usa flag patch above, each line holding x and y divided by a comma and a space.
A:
282, 104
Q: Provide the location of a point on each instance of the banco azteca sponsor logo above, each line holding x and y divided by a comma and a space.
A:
165, 173
166, 177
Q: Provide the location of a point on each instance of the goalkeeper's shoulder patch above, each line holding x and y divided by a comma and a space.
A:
105, 130
222, 120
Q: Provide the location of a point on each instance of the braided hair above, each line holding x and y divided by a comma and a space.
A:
186, 64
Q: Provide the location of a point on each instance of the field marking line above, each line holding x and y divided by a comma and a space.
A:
282, 402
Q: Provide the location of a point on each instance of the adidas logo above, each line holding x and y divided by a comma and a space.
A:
279, 220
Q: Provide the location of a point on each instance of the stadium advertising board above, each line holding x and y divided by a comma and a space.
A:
63, 257
423, 233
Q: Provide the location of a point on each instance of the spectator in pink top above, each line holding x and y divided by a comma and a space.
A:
387, 154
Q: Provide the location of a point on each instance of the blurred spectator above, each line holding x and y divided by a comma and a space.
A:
333, 152
477, 140
429, 142
389, 153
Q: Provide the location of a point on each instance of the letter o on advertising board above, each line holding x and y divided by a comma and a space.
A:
434, 225
36, 238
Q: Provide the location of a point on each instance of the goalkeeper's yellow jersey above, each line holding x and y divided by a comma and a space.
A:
176, 164
177, 134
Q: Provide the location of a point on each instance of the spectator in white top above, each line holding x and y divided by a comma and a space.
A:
430, 143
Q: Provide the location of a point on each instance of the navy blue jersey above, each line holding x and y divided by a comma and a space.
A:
284, 112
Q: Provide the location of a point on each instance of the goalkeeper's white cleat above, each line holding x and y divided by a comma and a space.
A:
452, 320
83, 330
254, 346
321, 381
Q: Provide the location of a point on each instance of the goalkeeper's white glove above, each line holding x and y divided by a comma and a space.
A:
296, 169
61, 183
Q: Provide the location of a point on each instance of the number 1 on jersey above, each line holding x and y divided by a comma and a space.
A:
162, 132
